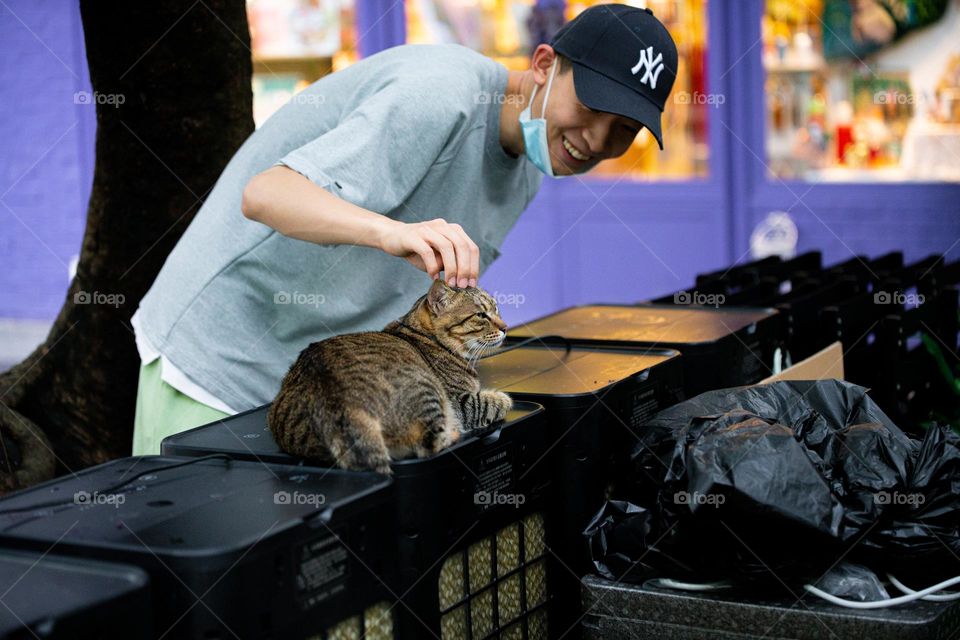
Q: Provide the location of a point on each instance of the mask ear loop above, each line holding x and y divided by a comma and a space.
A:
546, 96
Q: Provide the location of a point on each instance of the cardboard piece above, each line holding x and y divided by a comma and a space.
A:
826, 363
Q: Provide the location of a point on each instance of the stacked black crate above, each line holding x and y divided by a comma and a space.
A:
234, 549
650, 612
470, 530
45, 595
596, 398
897, 321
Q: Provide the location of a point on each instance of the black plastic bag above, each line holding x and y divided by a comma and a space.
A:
772, 485
853, 582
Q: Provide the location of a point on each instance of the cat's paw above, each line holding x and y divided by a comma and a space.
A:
384, 468
498, 404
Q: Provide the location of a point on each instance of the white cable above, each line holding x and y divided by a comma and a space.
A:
881, 604
943, 597
690, 586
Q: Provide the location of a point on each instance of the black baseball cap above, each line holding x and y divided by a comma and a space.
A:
624, 62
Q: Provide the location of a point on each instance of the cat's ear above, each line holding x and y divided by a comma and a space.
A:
439, 297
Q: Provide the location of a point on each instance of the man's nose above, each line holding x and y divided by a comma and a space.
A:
599, 141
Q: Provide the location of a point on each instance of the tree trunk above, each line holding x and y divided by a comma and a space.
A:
172, 86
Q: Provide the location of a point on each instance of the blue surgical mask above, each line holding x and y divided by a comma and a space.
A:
535, 142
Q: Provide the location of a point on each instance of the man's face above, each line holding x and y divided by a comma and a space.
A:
580, 137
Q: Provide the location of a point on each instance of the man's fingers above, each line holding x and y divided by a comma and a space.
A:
474, 273
429, 258
461, 244
445, 248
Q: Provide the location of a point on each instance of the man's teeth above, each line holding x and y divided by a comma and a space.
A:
573, 150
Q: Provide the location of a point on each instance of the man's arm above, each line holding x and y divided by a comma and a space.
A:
286, 201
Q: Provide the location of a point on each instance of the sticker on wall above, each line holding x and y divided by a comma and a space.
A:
775, 235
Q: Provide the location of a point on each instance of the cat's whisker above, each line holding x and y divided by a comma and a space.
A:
471, 345
476, 354
472, 360
484, 346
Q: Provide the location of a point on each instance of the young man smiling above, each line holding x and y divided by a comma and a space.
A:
426, 153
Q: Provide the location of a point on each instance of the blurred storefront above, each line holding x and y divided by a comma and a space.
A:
846, 100
850, 99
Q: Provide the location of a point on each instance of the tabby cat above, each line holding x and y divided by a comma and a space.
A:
359, 399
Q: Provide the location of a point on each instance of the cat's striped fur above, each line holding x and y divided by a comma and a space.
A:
357, 400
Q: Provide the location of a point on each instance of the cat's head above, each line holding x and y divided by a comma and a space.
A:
466, 321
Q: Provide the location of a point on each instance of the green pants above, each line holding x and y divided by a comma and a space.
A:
163, 411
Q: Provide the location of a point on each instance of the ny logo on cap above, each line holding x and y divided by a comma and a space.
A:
651, 67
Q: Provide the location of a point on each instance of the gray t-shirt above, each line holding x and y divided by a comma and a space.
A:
412, 133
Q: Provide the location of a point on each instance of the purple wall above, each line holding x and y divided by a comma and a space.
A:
582, 240
46, 163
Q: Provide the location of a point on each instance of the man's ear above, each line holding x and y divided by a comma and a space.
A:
439, 297
542, 60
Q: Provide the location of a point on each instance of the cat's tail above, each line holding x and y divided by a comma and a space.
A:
359, 444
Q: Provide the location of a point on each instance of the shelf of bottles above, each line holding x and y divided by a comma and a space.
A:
509, 31
294, 43
865, 91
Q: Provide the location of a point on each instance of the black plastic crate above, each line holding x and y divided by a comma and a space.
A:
233, 548
596, 400
61, 598
471, 543
616, 611
721, 347
735, 279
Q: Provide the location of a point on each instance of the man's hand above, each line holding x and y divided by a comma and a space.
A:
435, 246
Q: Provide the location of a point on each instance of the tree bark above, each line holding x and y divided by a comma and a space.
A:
172, 85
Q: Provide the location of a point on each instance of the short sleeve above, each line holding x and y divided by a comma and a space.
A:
379, 152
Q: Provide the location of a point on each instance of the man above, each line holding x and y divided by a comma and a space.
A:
425, 153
